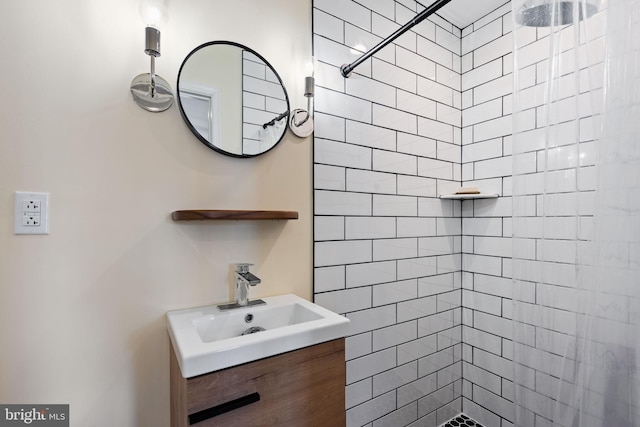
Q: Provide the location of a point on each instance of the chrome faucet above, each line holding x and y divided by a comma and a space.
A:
244, 279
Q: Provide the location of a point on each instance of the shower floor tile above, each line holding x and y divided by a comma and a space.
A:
461, 421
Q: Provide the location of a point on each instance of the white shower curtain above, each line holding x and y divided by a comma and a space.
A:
576, 219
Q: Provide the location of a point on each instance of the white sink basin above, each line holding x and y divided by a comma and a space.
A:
206, 339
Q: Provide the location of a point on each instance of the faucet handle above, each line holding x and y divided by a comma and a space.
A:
243, 267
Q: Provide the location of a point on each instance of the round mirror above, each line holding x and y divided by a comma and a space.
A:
232, 99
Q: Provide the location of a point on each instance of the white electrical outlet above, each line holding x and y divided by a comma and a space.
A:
31, 213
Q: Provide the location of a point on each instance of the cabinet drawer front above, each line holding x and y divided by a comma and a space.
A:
300, 388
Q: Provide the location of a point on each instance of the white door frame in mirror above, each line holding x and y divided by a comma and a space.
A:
210, 95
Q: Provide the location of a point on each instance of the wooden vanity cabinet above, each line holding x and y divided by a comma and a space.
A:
301, 388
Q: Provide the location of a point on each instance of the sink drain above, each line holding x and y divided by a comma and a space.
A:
253, 330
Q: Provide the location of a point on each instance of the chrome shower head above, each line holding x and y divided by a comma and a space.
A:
547, 13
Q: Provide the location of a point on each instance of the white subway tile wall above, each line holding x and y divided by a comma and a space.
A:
262, 101
487, 319
427, 282
387, 250
551, 220
486, 163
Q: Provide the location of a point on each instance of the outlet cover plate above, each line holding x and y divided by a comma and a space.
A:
31, 213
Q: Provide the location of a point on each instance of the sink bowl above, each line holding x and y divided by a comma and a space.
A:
206, 339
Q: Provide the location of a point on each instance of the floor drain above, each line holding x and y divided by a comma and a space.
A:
462, 421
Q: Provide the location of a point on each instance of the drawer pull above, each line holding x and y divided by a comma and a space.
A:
223, 408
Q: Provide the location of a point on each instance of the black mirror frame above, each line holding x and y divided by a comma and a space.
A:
193, 129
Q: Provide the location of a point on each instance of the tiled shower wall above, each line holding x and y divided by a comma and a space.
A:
487, 87
263, 100
387, 251
426, 283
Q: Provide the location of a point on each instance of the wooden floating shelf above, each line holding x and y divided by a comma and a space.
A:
469, 196
216, 214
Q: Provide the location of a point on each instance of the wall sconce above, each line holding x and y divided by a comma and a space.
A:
301, 121
150, 91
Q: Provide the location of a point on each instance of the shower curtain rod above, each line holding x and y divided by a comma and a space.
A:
346, 69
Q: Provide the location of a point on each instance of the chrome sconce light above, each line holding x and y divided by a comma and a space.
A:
301, 121
150, 91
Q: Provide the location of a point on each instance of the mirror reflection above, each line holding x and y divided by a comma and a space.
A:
232, 99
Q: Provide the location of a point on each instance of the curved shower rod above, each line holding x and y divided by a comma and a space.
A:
346, 69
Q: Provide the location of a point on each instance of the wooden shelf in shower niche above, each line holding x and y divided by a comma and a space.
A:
217, 215
469, 196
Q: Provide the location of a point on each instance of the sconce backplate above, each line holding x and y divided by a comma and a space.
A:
299, 126
141, 91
